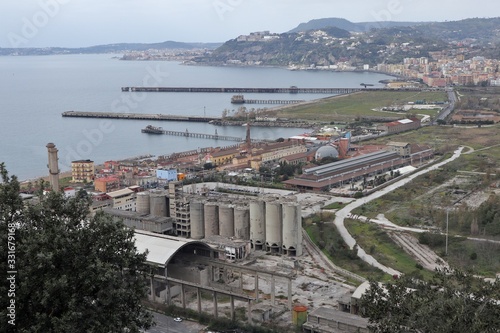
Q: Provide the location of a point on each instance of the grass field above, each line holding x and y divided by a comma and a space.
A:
349, 107
377, 243
440, 137
419, 202
330, 242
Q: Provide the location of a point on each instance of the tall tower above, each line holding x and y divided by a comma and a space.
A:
248, 139
53, 167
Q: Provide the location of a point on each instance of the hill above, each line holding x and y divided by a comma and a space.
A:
348, 25
319, 44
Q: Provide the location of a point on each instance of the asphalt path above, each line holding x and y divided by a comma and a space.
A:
452, 98
166, 324
345, 212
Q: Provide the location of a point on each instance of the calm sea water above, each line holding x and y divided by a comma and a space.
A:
36, 90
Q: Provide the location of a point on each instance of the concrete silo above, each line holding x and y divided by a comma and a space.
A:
158, 203
274, 226
242, 222
258, 224
197, 214
211, 211
292, 229
226, 220
143, 205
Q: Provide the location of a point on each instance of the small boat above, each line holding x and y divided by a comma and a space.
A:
153, 130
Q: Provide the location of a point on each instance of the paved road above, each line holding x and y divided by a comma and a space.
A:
346, 212
165, 324
452, 98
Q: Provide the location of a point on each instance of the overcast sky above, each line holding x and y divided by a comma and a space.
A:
74, 23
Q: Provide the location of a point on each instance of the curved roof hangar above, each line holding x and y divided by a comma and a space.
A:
161, 248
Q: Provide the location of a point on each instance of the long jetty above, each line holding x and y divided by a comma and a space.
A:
136, 116
270, 101
156, 130
290, 90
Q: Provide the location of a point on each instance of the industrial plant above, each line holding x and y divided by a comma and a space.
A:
204, 241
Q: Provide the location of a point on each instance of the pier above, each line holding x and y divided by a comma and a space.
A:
136, 116
240, 99
290, 90
158, 130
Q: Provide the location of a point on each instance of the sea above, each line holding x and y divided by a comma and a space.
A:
36, 90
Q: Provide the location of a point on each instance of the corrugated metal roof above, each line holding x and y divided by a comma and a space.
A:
161, 248
405, 121
347, 163
119, 193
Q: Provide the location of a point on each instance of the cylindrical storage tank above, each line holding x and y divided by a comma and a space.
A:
211, 212
299, 315
242, 222
292, 229
158, 204
226, 220
197, 219
257, 224
274, 226
143, 203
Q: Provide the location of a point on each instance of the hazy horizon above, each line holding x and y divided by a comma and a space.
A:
84, 23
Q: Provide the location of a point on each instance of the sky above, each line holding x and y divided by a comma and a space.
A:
80, 23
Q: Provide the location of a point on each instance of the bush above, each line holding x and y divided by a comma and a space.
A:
358, 195
431, 239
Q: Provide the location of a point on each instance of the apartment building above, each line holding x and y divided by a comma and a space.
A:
82, 171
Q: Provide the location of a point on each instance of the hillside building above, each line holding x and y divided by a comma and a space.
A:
82, 171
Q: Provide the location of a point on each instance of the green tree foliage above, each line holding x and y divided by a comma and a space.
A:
488, 215
74, 273
453, 301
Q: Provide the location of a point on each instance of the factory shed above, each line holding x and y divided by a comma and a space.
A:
345, 171
161, 248
173, 259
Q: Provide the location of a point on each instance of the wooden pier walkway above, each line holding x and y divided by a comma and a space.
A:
158, 130
136, 116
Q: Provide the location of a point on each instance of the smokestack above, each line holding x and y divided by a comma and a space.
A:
248, 139
53, 167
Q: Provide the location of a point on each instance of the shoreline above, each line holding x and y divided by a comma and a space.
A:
295, 69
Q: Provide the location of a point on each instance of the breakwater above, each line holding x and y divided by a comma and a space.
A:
136, 116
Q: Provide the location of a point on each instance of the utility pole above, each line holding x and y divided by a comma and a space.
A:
446, 243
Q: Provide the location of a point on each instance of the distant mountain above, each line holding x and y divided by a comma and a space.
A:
349, 26
109, 48
146, 46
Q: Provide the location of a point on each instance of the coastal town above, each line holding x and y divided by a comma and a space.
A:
460, 64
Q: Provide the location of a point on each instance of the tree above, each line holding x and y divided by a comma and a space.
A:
453, 301
74, 273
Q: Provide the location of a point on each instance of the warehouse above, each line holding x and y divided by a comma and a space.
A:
342, 172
